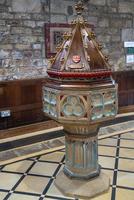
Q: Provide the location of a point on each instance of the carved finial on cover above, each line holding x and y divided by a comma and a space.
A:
79, 7
99, 46
51, 59
106, 58
58, 48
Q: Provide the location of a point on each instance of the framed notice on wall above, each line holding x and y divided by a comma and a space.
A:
129, 49
53, 36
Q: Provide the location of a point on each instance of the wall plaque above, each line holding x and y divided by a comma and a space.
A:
129, 50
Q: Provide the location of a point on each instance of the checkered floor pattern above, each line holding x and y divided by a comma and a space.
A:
33, 178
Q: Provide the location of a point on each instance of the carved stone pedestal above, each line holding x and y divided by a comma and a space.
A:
82, 176
81, 151
82, 188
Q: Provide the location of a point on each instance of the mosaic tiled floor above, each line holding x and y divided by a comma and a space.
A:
33, 178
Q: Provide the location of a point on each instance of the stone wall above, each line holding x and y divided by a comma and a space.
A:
22, 51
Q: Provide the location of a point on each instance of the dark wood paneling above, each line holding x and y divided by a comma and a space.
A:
125, 80
24, 99
2, 96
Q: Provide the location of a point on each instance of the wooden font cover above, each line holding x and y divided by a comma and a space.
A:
79, 56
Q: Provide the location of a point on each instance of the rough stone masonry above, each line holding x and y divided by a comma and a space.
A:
22, 49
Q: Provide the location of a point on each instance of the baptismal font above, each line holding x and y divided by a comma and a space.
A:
80, 93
